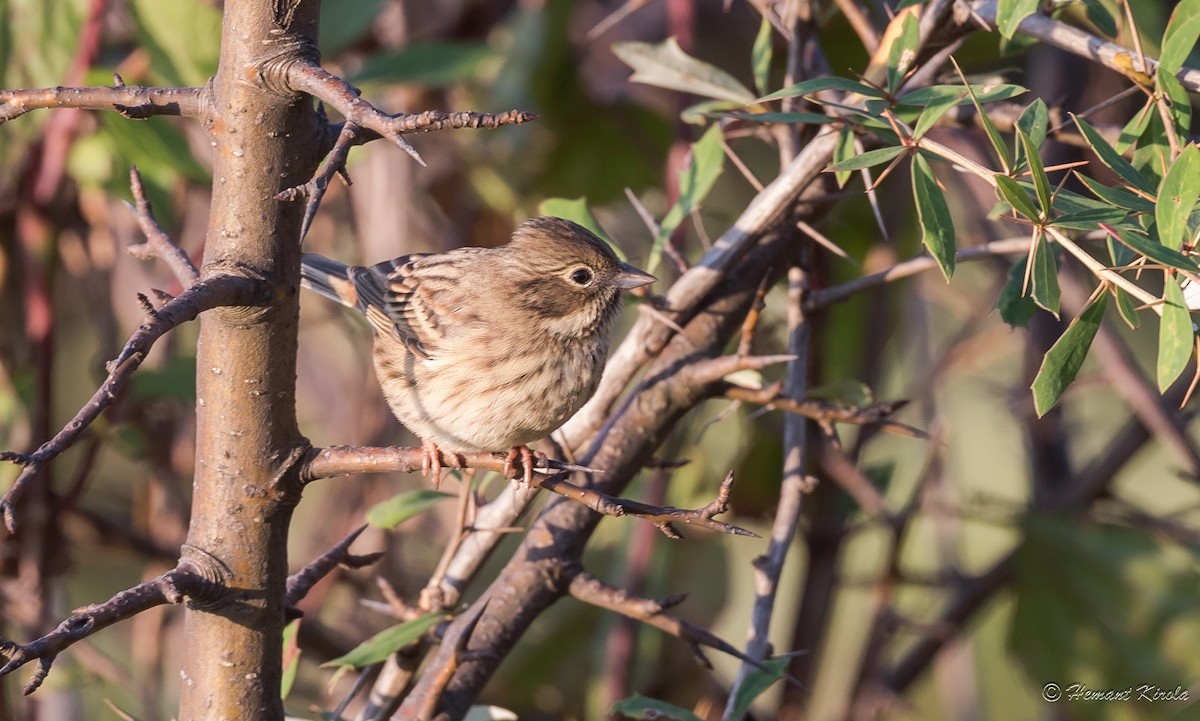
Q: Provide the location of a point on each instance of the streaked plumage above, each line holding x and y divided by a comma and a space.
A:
488, 349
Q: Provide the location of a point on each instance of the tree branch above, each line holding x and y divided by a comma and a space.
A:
301, 582
171, 587
133, 101
158, 244
224, 290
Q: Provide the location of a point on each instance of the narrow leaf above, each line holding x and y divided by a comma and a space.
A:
695, 182
1044, 281
1010, 13
1117, 196
428, 64
1090, 219
844, 150
1100, 17
1016, 308
1034, 121
291, 657
984, 93
1126, 308
1062, 362
791, 118
403, 506
1179, 40
933, 112
1041, 182
641, 707
760, 56
1011, 192
1178, 102
1177, 196
1112, 158
903, 52
989, 129
1156, 252
386, 642
666, 65
1176, 338
868, 159
577, 211
937, 229
756, 682
816, 85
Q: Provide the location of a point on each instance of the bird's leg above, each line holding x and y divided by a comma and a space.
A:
526, 456
431, 462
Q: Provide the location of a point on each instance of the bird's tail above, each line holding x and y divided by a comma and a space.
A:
329, 278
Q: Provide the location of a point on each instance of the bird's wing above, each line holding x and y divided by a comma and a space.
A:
426, 296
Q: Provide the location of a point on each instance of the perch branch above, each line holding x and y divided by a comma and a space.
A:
133, 101
225, 290
158, 244
825, 413
169, 588
301, 582
347, 460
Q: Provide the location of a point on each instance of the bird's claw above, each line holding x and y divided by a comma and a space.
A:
526, 457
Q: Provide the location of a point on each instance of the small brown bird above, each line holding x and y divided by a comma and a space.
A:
488, 349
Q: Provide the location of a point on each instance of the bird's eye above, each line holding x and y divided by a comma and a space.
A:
581, 277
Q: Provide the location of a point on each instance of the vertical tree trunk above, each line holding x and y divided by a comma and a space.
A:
247, 440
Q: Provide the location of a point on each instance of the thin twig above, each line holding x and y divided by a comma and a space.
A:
132, 101
333, 164
226, 290
301, 582
158, 244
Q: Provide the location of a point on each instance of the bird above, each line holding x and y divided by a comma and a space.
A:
487, 349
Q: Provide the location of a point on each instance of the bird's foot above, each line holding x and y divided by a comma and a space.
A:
432, 462
526, 457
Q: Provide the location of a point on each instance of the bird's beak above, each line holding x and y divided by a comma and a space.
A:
630, 278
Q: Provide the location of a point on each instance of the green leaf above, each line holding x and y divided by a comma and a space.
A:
791, 118
844, 150
1117, 196
641, 707
760, 55
695, 182
933, 112
868, 159
1177, 196
984, 93
903, 52
1016, 307
1126, 308
756, 682
1062, 362
1010, 13
989, 129
1011, 192
666, 65
1156, 252
1136, 127
433, 65
816, 85
1044, 280
1111, 158
700, 113
183, 38
577, 210
403, 506
343, 22
1178, 102
937, 228
1041, 182
1089, 219
1179, 40
1176, 338
490, 713
291, 657
1034, 121
1099, 16
386, 642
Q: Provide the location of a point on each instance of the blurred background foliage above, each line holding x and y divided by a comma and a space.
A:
1106, 597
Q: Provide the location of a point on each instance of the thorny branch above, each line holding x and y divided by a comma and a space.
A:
338, 94
301, 582
132, 101
171, 587
158, 244
333, 164
225, 290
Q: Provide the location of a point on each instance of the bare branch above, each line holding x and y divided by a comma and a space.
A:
826, 413
301, 582
132, 101
225, 290
337, 93
589, 589
314, 190
158, 244
664, 517
169, 588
